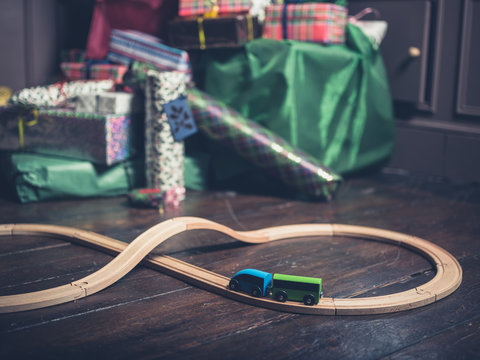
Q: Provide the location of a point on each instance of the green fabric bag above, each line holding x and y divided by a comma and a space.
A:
35, 177
331, 101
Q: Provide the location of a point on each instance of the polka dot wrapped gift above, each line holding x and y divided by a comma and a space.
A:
164, 156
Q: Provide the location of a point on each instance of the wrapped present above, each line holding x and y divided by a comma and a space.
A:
36, 177
103, 139
82, 70
127, 46
201, 7
263, 148
164, 157
57, 94
108, 103
224, 31
312, 22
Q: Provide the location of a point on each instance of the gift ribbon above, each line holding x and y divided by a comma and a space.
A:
61, 92
21, 133
201, 33
364, 12
250, 27
284, 20
213, 11
90, 63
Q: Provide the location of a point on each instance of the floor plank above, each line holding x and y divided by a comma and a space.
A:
148, 314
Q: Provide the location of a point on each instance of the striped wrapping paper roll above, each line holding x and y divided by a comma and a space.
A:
164, 157
262, 147
127, 46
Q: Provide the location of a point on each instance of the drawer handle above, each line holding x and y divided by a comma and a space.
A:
414, 52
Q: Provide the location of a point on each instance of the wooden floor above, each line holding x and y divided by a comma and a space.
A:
150, 315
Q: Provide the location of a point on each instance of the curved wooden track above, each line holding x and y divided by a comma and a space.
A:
447, 279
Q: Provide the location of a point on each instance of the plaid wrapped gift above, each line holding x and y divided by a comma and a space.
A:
313, 22
127, 46
102, 139
81, 70
200, 7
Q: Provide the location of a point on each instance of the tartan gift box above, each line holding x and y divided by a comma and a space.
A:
81, 70
127, 46
200, 7
313, 22
102, 139
224, 31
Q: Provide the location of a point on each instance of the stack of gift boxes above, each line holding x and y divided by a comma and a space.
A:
90, 118
88, 124
228, 23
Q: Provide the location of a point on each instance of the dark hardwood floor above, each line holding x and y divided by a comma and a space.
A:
148, 314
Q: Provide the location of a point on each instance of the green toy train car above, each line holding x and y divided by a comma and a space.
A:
282, 287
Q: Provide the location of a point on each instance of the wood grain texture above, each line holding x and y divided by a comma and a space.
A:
150, 314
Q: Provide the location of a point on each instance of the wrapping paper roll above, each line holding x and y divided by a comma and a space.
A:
262, 147
164, 157
57, 94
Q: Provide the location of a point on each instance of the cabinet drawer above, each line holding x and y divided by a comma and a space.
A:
406, 45
468, 90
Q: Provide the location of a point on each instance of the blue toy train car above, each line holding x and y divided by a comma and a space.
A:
255, 282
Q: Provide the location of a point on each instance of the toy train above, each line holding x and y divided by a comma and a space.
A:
281, 287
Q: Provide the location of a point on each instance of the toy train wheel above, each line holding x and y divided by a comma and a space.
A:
309, 300
256, 291
233, 285
281, 296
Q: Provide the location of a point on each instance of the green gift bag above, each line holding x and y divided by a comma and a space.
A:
333, 102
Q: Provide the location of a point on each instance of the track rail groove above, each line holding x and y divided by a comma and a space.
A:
447, 279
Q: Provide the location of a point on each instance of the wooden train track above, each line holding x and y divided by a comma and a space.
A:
447, 279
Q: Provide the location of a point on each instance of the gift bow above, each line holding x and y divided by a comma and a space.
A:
21, 123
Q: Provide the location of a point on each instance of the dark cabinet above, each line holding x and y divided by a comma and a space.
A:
432, 56
406, 51
468, 99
